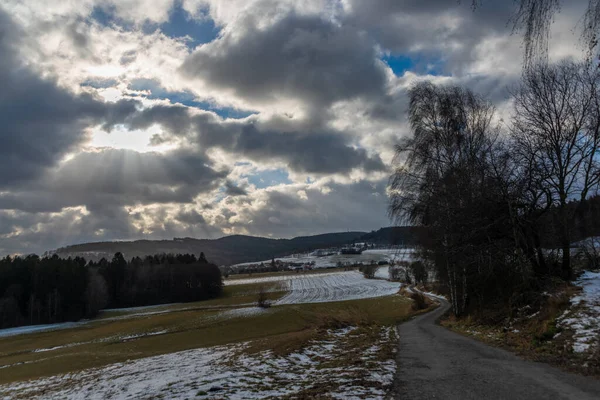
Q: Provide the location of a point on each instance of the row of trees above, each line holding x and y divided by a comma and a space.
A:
47, 290
488, 196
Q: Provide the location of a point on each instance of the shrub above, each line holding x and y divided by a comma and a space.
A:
262, 300
419, 301
395, 273
369, 271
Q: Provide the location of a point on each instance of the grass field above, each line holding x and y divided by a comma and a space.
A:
120, 336
233, 296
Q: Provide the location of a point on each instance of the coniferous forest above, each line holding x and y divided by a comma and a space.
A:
51, 289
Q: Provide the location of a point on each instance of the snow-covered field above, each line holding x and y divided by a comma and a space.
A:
334, 366
383, 272
326, 287
321, 288
584, 316
333, 260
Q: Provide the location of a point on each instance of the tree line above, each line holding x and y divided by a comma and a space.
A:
52, 289
495, 197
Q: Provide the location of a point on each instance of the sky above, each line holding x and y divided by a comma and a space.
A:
154, 119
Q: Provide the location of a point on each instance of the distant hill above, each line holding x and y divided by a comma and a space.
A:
395, 235
236, 249
224, 251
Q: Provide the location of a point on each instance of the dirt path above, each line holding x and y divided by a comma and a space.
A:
435, 363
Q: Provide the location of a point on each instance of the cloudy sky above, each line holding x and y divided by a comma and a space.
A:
128, 119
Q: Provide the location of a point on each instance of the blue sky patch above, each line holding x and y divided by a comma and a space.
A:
400, 63
105, 16
182, 24
269, 177
99, 83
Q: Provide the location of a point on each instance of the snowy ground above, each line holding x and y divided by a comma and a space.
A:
584, 315
341, 365
332, 261
159, 309
383, 272
323, 288
326, 287
21, 330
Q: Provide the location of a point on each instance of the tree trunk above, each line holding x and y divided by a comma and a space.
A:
566, 270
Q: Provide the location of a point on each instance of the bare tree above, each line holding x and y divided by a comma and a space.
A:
556, 133
441, 177
395, 272
262, 299
534, 18
369, 271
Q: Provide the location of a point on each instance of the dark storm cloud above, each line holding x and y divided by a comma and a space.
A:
40, 121
312, 152
445, 34
303, 148
191, 217
44, 231
231, 189
433, 29
358, 206
114, 177
447, 31
300, 57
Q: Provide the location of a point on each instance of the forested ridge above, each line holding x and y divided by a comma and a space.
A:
227, 250
52, 289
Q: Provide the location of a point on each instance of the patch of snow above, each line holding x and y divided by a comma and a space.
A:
434, 295
242, 312
142, 335
342, 332
533, 315
583, 318
226, 372
39, 328
127, 309
383, 272
58, 347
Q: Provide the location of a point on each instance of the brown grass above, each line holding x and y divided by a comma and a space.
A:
534, 335
283, 328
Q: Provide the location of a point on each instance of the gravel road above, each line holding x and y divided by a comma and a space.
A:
435, 363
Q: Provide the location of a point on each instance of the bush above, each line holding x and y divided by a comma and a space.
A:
419, 301
369, 271
395, 273
262, 300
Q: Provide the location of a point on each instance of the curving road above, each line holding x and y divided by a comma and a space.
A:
435, 363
